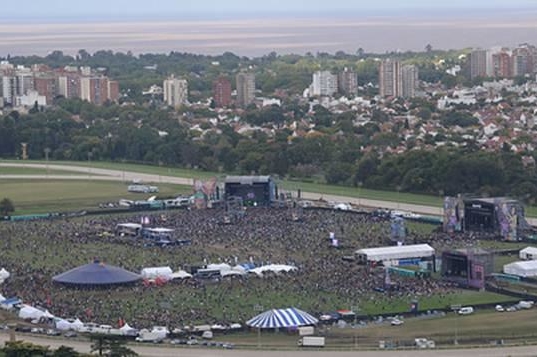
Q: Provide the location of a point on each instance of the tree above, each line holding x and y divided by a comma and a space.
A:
6, 207
111, 346
64, 351
24, 349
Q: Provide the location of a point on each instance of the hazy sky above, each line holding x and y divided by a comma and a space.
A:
225, 8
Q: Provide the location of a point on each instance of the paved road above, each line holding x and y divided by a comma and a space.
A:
171, 351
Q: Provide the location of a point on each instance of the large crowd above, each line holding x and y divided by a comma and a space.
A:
36, 251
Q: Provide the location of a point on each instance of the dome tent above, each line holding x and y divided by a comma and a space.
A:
96, 274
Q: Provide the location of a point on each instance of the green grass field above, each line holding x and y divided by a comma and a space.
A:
42, 196
19, 170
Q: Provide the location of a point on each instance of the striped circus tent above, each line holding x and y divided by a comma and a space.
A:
281, 318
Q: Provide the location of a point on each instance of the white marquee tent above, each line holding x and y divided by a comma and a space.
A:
28, 312
395, 253
523, 269
157, 272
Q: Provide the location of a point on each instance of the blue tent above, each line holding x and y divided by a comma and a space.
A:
96, 273
278, 318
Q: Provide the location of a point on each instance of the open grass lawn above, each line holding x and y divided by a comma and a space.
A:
42, 196
19, 170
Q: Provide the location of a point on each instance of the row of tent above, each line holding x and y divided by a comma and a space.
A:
224, 269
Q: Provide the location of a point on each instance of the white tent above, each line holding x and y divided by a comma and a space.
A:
63, 325
181, 274
76, 324
157, 272
232, 273
222, 267
4, 274
126, 328
528, 253
275, 268
2, 298
395, 253
523, 269
28, 312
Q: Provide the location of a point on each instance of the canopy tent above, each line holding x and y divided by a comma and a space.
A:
157, 272
395, 252
127, 330
275, 268
232, 273
528, 253
68, 324
4, 274
28, 312
96, 273
181, 274
63, 325
523, 269
281, 318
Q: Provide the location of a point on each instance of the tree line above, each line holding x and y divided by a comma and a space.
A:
334, 154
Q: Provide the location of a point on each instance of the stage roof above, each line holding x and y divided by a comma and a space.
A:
247, 180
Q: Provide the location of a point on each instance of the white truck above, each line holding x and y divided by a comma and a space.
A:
311, 341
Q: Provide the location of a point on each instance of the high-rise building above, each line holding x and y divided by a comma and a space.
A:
396, 80
324, 84
523, 60
113, 91
94, 89
69, 85
409, 80
502, 64
390, 80
175, 92
478, 63
9, 89
45, 85
222, 92
245, 89
348, 82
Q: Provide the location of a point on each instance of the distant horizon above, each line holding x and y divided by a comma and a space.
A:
257, 35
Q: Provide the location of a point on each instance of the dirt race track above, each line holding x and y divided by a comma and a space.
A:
161, 351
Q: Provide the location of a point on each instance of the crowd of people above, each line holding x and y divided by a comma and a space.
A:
36, 251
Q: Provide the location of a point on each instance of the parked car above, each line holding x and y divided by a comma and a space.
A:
467, 310
500, 308
397, 322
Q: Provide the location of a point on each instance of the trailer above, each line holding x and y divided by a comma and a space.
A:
311, 341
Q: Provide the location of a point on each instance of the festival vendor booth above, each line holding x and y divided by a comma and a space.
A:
96, 274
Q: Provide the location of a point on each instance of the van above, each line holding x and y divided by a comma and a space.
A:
466, 310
